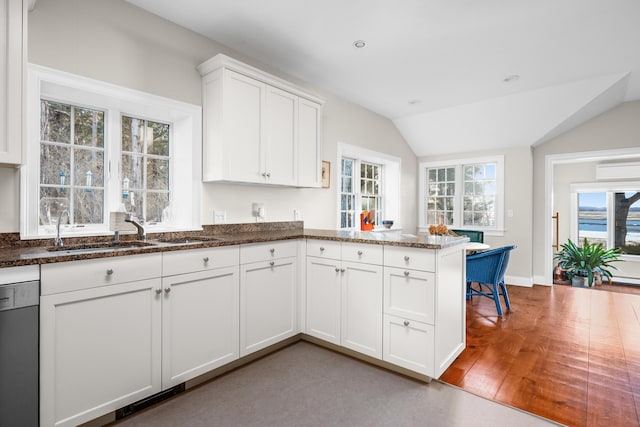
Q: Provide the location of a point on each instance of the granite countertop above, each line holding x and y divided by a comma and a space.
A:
16, 252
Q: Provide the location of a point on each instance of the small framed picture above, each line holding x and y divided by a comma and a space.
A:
326, 174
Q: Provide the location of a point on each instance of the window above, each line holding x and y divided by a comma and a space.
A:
71, 163
466, 194
368, 178
368, 181
93, 148
145, 168
608, 213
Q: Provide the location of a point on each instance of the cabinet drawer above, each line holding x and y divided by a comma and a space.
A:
193, 260
415, 259
409, 344
267, 251
323, 249
410, 294
85, 274
370, 254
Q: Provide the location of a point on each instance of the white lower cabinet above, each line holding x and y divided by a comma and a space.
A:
409, 344
99, 349
361, 328
344, 298
268, 296
200, 312
200, 327
424, 308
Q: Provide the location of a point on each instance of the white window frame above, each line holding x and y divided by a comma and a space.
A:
608, 187
391, 167
186, 133
498, 229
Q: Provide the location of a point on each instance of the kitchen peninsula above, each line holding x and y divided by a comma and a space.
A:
181, 308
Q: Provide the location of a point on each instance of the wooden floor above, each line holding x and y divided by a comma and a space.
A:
568, 354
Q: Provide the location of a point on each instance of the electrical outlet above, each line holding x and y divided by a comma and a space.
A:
257, 210
219, 217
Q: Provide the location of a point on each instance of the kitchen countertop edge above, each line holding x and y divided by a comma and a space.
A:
20, 256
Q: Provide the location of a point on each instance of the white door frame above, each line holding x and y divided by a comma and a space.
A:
554, 159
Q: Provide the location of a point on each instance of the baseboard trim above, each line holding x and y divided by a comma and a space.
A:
526, 282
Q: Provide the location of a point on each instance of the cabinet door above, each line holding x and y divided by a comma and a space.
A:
309, 155
11, 66
280, 137
323, 299
200, 325
99, 350
409, 344
410, 293
267, 303
362, 308
243, 113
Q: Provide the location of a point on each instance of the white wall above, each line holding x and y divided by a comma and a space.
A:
113, 41
518, 189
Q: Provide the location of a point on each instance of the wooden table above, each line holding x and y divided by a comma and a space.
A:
476, 247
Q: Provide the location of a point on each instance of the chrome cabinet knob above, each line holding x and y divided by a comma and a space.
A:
406, 258
158, 291
360, 253
272, 263
321, 249
342, 270
406, 273
406, 323
205, 259
337, 270
109, 272
167, 290
272, 250
268, 175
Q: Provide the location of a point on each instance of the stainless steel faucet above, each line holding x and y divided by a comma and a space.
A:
57, 241
142, 235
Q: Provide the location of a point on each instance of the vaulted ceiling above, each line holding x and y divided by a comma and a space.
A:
441, 69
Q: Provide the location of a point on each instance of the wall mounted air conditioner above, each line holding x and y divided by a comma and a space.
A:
629, 170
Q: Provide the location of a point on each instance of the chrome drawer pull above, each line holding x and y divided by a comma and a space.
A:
406, 323
109, 272
406, 258
406, 273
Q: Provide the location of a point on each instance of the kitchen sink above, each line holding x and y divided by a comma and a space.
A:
195, 239
99, 247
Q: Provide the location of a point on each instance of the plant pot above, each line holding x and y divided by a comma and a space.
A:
578, 281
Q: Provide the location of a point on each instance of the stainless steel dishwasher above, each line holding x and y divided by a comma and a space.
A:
19, 325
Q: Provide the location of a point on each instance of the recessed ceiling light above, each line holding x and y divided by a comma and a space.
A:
359, 44
512, 78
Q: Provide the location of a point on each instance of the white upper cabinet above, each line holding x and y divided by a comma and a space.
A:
258, 128
13, 15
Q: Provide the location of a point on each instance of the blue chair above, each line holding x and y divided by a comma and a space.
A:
473, 235
485, 275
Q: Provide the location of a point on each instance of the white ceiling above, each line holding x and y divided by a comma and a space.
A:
575, 59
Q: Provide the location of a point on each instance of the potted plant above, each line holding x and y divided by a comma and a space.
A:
587, 261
